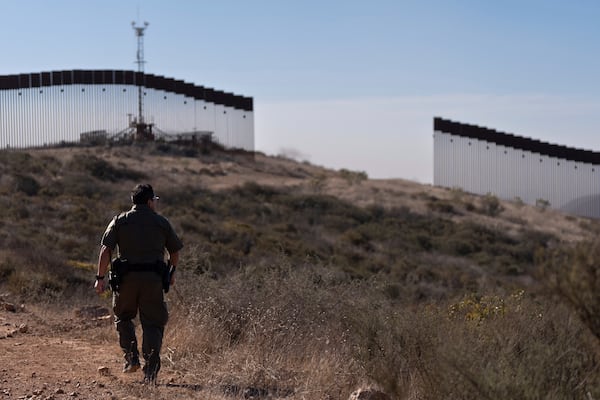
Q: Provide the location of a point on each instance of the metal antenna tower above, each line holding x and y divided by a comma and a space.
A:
139, 32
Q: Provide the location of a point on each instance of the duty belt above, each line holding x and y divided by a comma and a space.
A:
153, 267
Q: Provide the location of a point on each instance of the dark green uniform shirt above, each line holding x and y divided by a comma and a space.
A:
142, 235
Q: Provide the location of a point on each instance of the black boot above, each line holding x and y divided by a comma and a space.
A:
132, 363
150, 373
151, 367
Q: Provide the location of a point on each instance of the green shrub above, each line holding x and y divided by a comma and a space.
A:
79, 185
7, 268
26, 184
441, 206
353, 177
490, 205
103, 170
542, 204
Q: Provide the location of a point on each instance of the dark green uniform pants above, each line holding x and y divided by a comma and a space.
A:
141, 291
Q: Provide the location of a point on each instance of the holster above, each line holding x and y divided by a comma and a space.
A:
118, 269
166, 273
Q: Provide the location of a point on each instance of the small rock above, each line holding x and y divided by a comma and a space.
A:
59, 391
23, 328
73, 394
9, 307
103, 371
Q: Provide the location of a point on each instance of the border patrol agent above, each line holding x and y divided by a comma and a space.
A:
142, 235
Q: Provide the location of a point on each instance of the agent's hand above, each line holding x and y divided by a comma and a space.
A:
100, 286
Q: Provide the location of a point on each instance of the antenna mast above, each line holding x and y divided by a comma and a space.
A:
139, 32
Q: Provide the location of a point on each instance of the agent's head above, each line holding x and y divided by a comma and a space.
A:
142, 193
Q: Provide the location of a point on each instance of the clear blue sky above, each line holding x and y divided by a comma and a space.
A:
344, 84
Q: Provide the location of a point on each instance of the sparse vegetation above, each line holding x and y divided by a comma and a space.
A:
490, 205
297, 293
103, 170
519, 202
574, 274
353, 177
542, 204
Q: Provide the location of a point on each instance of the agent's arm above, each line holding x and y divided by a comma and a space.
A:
103, 262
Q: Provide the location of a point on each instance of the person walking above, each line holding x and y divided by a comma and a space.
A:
142, 236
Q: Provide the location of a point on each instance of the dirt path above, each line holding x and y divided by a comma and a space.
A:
52, 357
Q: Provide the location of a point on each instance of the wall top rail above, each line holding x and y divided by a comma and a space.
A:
121, 77
515, 142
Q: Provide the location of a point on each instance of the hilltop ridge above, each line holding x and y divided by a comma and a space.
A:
224, 170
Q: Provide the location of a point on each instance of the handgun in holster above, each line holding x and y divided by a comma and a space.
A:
167, 274
118, 268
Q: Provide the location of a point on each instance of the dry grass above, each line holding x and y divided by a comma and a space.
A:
265, 328
303, 330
